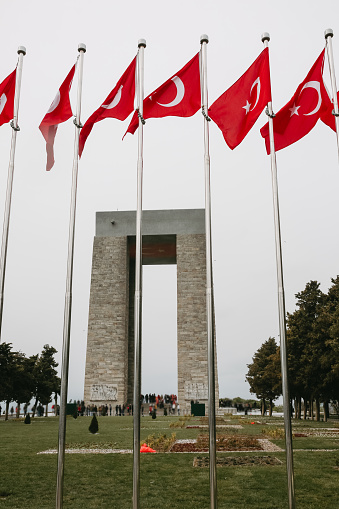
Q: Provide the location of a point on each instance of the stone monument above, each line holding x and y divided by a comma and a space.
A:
168, 237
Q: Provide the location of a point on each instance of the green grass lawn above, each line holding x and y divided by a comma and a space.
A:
167, 480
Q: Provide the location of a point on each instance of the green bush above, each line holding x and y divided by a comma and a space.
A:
94, 426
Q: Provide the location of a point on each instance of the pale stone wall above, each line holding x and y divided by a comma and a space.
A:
192, 325
107, 349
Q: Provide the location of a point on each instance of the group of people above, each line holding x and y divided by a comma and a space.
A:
159, 400
168, 403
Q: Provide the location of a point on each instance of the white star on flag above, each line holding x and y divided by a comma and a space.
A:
247, 107
294, 110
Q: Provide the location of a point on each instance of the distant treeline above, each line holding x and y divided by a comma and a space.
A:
23, 378
239, 403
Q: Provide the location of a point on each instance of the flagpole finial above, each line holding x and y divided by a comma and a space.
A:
204, 38
328, 33
82, 47
142, 42
21, 49
265, 37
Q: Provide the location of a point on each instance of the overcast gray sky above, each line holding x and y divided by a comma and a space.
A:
242, 213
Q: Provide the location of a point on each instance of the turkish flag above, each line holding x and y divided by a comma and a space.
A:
327, 116
59, 111
118, 104
237, 109
301, 113
7, 92
179, 96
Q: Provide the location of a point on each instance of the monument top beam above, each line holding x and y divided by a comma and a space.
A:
154, 222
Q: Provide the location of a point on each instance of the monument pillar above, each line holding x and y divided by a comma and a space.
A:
169, 237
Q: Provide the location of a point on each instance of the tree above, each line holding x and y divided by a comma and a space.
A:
306, 340
15, 377
7, 367
45, 375
23, 380
264, 373
94, 426
329, 320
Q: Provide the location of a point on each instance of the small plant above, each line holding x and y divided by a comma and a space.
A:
161, 443
94, 426
276, 433
181, 423
27, 419
177, 424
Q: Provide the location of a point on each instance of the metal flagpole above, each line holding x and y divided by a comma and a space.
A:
15, 129
281, 306
68, 294
209, 284
138, 284
328, 37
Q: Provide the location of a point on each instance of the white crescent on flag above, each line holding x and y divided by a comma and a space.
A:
180, 93
248, 105
256, 82
316, 86
115, 101
55, 102
3, 100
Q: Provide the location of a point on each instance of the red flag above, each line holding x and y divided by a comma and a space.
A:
7, 91
118, 104
179, 96
237, 109
301, 113
59, 111
327, 116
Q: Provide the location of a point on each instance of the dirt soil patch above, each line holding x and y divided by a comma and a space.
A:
238, 461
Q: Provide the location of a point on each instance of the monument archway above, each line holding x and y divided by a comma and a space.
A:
169, 237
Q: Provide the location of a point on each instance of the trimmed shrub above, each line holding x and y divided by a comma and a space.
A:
94, 426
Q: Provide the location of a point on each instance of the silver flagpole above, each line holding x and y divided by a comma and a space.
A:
209, 284
328, 37
15, 129
138, 284
281, 306
68, 294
